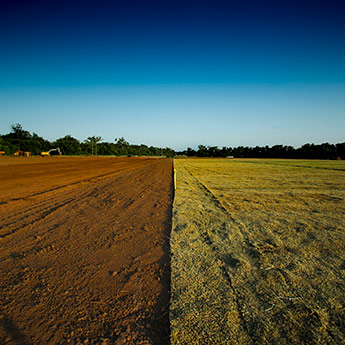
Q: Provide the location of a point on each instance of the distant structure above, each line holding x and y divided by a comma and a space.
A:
48, 153
22, 153
230, 157
1, 153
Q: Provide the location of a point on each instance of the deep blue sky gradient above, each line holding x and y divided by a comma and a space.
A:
175, 73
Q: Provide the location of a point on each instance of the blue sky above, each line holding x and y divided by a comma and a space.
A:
175, 73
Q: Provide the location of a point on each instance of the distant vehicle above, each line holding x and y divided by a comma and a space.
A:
22, 153
48, 153
18, 153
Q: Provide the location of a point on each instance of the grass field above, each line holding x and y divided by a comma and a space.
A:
258, 252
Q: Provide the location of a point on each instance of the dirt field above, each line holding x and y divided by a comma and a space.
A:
258, 252
84, 250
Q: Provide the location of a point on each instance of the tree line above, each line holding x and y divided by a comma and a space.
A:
307, 151
20, 139
23, 140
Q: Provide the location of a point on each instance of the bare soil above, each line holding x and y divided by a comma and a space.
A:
85, 250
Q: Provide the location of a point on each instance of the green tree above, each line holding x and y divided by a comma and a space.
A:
169, 153
121, 142
122, 146
68, 145
39, 144
19, 138
92, 144
202, 151
5, 145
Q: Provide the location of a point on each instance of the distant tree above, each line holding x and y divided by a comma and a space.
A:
92, 144
190, 152
68, 145
169, 153
121, 142
122, 146
340, 150
39, 144
105, 149
18, 138
202, 151
19, 132
143, 150
213, 151
327, 151
5, 145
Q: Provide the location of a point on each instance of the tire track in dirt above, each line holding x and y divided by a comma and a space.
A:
70, 193
95, 269
92, 179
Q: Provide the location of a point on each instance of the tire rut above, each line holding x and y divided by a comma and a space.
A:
40, 210
89, 261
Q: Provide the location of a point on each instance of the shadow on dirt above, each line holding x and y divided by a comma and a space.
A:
12, 330
163, 306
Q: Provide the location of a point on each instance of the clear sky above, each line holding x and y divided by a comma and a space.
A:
175, 73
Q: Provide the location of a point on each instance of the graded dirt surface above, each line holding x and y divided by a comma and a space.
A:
85, 250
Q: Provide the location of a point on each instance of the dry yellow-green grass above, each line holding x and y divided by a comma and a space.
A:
258, 252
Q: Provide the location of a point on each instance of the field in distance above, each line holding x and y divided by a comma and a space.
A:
258, 252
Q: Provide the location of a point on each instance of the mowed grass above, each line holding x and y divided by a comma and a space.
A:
258, 252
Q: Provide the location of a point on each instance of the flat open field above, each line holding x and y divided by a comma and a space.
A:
84, 250
258, 252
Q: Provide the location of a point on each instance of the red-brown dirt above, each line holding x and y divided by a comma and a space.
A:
85, 250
